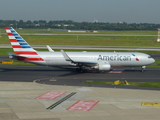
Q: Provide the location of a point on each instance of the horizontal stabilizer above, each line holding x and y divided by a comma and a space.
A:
11, 53
15, 55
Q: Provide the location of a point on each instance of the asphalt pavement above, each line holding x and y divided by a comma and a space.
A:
69, 76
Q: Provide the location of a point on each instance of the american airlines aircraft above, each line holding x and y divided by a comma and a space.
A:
102, 61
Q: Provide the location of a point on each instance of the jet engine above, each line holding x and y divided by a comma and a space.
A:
103, 66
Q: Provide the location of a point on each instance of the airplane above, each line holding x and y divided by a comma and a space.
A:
101, 61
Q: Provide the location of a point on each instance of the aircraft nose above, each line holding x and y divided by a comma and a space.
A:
153, 60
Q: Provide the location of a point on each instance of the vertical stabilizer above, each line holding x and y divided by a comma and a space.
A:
22, 50
19, 45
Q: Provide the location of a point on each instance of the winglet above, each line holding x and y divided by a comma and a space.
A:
50, 49
67, 58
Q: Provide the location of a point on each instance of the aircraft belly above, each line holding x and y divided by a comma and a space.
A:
117, 63
125, 63
38, 62
56, 62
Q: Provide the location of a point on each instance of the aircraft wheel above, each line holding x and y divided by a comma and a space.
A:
78, 69
83, 70
143, 68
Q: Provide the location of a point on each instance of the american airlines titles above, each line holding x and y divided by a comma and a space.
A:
114, 58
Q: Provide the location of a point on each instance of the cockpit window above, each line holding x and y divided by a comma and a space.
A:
149, 57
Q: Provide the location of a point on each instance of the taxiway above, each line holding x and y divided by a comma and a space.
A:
68, 76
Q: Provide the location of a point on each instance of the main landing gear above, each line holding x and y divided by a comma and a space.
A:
143, 68
81, 70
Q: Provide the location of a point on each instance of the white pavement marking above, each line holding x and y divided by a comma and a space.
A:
50, 95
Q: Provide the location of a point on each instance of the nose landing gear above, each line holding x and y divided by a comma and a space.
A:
143, 68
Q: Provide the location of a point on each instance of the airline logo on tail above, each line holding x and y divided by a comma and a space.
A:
21, 47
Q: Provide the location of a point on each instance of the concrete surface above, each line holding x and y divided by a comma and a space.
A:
17, 102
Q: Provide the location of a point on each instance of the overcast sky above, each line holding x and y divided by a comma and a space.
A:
130, 11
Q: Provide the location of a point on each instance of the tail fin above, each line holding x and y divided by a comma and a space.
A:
19, 45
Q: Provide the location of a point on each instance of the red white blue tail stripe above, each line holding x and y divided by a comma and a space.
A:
19, 45
21, 48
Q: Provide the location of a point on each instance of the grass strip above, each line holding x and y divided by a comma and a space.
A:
3, 51
88, 40
137, 84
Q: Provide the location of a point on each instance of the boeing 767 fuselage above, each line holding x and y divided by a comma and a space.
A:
102, 61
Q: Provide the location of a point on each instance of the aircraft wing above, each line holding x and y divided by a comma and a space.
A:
67, 58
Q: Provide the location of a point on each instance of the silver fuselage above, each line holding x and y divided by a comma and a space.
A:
113, 58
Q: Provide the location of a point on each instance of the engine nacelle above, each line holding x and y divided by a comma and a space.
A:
104, 66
